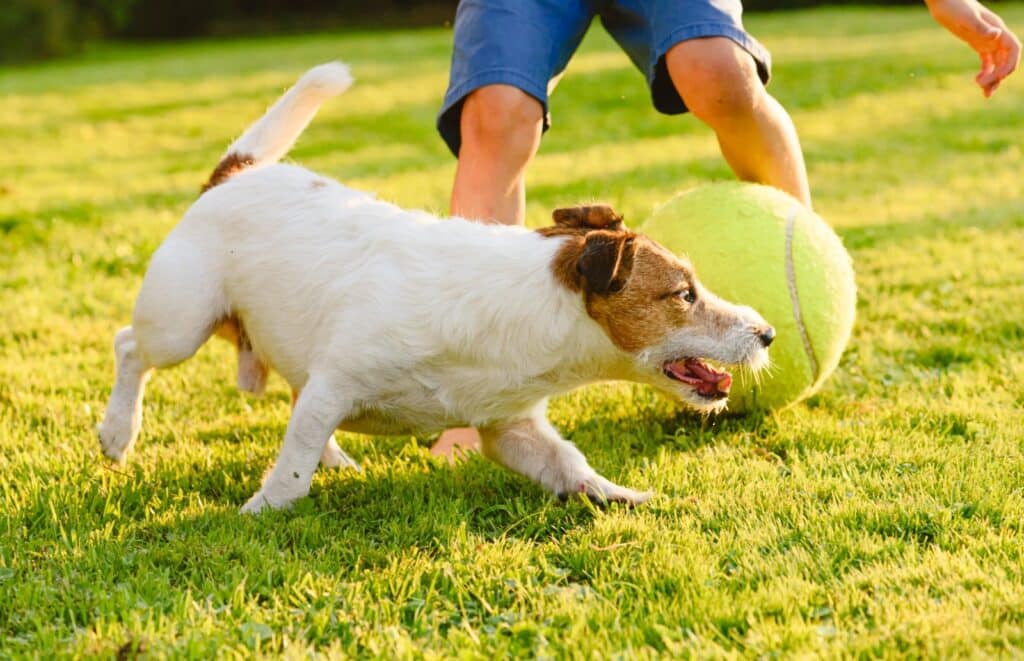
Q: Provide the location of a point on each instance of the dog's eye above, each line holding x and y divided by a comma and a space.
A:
687, 295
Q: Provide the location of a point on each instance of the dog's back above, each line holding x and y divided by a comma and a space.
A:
315, 271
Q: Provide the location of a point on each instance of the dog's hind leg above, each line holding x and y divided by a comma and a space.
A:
532, 447
334, 457
123, 419
252, 372
176, 312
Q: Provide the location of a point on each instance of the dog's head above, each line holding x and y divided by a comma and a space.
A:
651, 305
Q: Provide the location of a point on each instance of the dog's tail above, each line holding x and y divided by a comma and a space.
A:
271, 137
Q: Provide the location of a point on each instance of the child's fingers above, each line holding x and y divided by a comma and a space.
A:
1008, 57
986, 76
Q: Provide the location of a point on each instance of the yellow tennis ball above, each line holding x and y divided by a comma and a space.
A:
758, 246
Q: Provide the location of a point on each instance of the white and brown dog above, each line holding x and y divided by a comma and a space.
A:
386, 321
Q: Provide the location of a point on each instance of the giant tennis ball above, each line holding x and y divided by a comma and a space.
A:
757, 246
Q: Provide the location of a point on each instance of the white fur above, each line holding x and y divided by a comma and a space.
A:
386, 321
383, 320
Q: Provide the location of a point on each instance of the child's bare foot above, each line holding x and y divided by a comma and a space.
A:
456, 443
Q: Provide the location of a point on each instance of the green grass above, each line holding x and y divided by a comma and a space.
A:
882, 517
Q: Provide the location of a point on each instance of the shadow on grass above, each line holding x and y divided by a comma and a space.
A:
167, 524
405, 500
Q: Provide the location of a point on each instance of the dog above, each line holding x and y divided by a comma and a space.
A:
389, 321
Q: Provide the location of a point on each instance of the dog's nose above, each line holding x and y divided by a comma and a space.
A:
767, 336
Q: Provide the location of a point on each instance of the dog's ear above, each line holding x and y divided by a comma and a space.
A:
606, 260
589, 217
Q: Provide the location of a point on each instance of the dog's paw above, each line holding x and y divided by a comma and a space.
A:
602, 492
260, 502
255, 505
117, 436
275, 496
334, 457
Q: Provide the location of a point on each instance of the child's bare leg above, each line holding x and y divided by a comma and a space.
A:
500, 127
718, 81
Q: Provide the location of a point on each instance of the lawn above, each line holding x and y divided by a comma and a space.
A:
885, 516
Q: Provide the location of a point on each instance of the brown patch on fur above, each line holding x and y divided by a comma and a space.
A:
228, 167
598, 261
591, 217
230, 329
564, 265
645, 309
583, 219
318, 183
606, 260
630, 286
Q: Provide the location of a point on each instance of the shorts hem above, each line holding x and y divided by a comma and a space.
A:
668, 102
702, 30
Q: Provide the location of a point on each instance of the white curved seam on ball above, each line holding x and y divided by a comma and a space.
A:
794, 296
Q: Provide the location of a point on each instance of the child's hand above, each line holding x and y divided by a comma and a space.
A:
983, 31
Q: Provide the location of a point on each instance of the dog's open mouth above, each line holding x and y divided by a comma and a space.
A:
706, 380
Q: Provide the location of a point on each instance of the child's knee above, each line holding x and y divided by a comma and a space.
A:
716, 78
501, 115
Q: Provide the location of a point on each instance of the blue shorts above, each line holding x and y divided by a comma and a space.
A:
526, 43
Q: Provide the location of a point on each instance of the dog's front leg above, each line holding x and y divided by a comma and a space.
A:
333, 456
532, 447
320, 407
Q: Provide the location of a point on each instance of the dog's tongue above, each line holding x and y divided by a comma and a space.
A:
697, 373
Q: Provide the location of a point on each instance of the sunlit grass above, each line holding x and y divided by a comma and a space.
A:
882, 517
